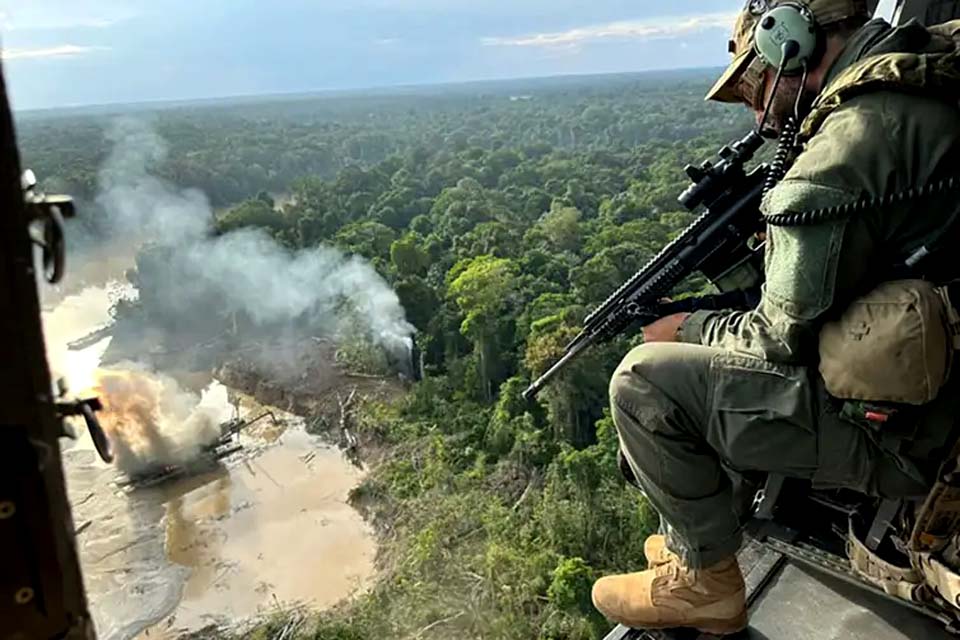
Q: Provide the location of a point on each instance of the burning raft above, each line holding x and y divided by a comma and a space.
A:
225, 445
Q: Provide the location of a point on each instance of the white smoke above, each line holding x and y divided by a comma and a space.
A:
138, 205
271, 284
245, 271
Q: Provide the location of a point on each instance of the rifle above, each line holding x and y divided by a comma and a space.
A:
41, 590
715, 244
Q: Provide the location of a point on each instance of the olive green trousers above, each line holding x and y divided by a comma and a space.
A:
689, 417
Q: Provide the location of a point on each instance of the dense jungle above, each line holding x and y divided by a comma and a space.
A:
500, 214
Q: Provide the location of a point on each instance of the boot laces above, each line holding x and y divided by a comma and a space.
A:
670, 569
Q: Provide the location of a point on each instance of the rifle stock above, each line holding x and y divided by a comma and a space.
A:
714, 244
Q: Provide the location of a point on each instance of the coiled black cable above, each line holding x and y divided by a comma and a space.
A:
785, 146
837, 212
790, 131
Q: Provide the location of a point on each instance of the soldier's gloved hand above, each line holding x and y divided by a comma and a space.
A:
665, 329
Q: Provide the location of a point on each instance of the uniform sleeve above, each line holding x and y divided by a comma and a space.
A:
812, 269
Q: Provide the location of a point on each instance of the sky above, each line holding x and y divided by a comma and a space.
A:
60, 53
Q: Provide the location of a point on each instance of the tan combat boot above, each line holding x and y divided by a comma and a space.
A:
655, 549
711, 600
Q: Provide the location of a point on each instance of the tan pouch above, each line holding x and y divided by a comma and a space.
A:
940, 578
891, 345
900, 581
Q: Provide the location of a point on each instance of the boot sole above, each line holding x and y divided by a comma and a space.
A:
716, 627
723, 627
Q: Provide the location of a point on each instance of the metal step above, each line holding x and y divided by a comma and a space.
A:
789, 599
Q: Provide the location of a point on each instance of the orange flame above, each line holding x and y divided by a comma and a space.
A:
151, 421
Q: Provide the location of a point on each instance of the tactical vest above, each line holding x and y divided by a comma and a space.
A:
933, 70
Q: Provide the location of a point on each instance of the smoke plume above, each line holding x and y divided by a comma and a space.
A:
139, 206
192, 280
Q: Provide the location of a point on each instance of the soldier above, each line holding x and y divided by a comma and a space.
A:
719, 393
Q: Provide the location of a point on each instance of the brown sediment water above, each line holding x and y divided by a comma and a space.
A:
267, 527
274, 530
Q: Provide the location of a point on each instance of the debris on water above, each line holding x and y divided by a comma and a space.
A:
208, 457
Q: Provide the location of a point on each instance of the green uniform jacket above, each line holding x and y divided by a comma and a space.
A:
864, 140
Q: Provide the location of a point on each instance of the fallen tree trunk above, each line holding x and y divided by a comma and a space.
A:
349, 440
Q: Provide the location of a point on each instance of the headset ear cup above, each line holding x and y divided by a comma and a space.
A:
782, 23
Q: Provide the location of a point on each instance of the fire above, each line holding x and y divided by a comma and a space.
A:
151, 421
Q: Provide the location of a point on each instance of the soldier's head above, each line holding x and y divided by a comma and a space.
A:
820, 28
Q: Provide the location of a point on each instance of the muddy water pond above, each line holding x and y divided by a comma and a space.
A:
268, 527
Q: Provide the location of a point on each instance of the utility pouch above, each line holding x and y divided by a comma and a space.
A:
894, 344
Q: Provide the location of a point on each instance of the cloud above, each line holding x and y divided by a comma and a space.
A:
54, 23
621, 30
50, 15
60, 51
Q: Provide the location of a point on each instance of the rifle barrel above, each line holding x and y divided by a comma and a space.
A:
713, 244
576, 347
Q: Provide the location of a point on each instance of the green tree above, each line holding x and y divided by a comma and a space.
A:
257, 212
574, 398
368, 239
482, 288
571, 584
408, 257
418, 299
561, 226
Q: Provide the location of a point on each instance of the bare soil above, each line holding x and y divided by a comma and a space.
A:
318, 392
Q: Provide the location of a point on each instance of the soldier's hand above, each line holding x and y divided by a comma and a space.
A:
665, 329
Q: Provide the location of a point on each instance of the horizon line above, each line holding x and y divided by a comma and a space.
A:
157, 102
